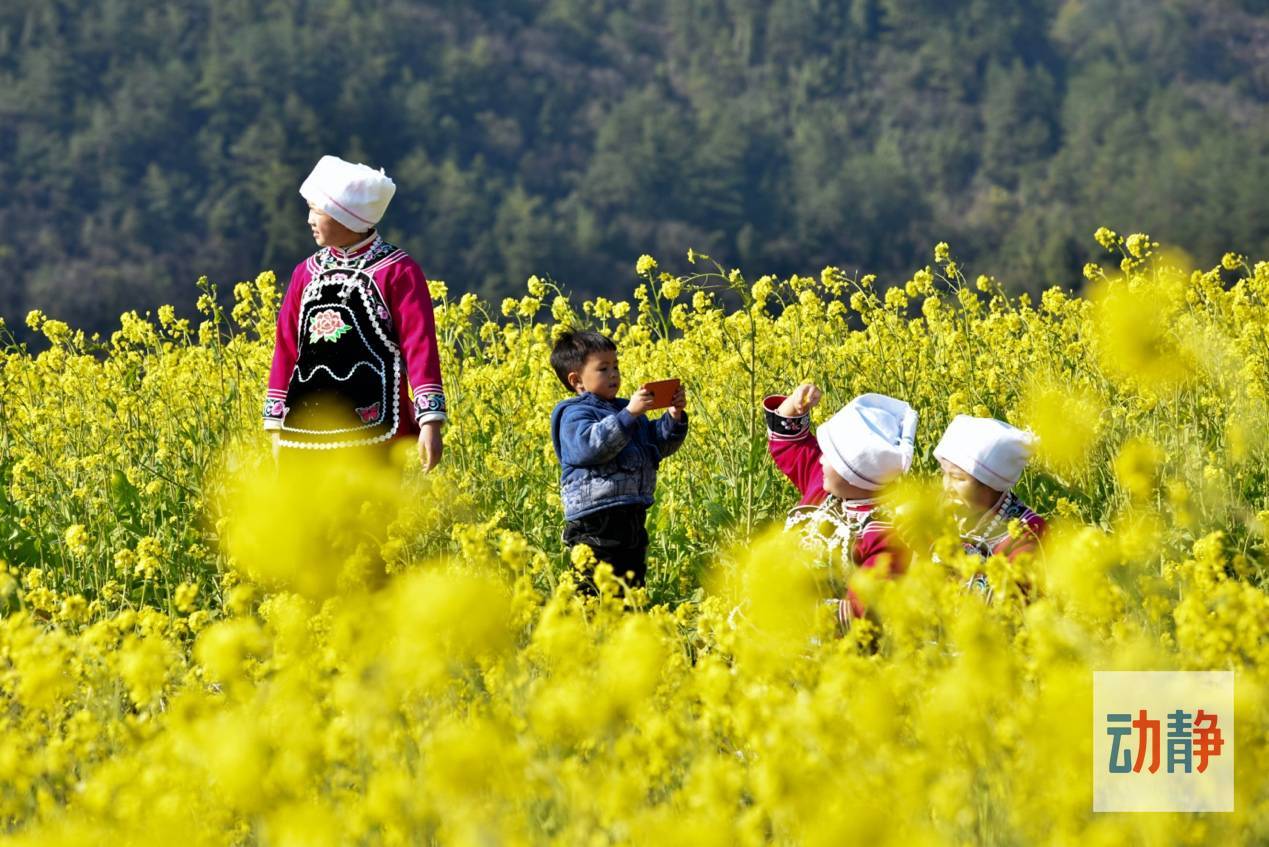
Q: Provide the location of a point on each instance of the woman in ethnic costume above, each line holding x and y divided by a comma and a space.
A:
982, 460
356, 362
839, 471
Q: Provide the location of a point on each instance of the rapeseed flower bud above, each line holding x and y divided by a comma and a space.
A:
1067, 422
56, 332
582, 557
185, 596
144, 665
74, 609
76, 539
1137, 336
560, 309
1107, 238
224, 647
1137, 467
528, 307
1138, 245
761, 290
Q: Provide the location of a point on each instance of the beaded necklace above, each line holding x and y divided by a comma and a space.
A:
831, 525
982, 539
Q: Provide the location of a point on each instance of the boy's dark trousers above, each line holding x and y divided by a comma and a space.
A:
618, 537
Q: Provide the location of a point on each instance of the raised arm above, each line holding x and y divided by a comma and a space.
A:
792, 446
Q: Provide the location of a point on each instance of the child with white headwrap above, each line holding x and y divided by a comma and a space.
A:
982, 460
356, 362
839, 471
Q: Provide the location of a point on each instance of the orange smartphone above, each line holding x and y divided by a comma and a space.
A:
663, 392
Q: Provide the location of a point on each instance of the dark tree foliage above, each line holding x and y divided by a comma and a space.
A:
144, 144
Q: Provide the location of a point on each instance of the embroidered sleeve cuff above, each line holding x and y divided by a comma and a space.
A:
274, 411
780, 428
429, 406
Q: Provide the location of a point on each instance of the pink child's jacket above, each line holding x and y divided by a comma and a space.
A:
1033, 528
996, 540
797, 454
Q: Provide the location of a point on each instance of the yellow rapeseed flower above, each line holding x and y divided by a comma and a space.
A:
76, 538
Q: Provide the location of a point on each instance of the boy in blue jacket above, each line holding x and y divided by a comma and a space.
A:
608, 452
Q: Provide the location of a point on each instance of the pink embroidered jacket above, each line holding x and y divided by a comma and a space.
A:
797, 454
998, 542
403, 288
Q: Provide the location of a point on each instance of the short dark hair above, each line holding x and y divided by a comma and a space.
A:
571, 349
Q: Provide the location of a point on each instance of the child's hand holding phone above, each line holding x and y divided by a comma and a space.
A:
677, 403
662, 394
641, 401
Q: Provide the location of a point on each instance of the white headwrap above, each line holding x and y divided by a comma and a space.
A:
869, 442
355, 195
991, 451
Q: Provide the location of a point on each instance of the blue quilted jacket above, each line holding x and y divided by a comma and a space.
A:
609, 457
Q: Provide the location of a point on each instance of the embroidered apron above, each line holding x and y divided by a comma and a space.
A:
345, 390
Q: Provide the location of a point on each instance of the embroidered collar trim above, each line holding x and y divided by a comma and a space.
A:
353, 250
833, 524
356, 257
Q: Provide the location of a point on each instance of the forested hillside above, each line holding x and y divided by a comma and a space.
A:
144, 144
